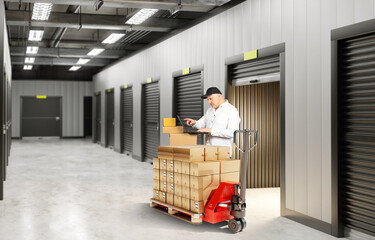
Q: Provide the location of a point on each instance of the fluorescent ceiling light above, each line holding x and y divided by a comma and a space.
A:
83, 61
29, 60
141, 16
32, 50
36, 35
114, 37
74, 68
27, 67
95, 51
41, 11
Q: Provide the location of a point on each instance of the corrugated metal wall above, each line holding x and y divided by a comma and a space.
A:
304, 26
72, 94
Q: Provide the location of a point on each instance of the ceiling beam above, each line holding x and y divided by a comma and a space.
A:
187, 5
60, 61
88, 21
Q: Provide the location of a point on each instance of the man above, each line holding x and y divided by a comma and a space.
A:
220, 121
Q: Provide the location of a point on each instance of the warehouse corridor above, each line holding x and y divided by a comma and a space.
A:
73, 189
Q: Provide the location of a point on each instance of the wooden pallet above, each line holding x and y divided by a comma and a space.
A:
182, 214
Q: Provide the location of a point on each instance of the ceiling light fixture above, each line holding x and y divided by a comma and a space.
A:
41, 11
98, 4
29, 60
82, 61
141, 16
36, 35
32, 50
95, 51
74, 68
114, 37
27, 67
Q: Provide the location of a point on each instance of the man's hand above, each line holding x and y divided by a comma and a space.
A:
190, 122
207, 130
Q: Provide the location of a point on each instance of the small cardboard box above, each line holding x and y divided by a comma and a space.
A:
185, 203
177, 201
204, 168
162, 196
177, 166
165, 152
227, 166
204, 181
177, 178
210, 153
185, 192
178, 190
156, 184
170, 198
155, 163
223, 153
179, 139
163, 164
185, 167
173, 130
170, 177
163, 175
169, 122
189, 153
197, 206
185, 180
233, 177
170, 188
155, 194
155, 174
201, 194
170, 165
163, 186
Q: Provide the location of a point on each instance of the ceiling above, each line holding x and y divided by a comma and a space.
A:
75, 27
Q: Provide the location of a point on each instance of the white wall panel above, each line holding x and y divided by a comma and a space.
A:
304, 26
72, 102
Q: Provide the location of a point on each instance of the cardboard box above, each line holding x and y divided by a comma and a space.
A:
185, 192
189, 153
170, 198
170, 177
170, 165
177, 201
232, 177
156, 184
155, 194
179, 139
155, 163
165, 152
212, 180
227, 166
173, 130
201, 194
185, 203
163, 186
163, 164
177, 166
178, 190
223, 153
170, 188
169, 122
204, 168
185, 168
177, 178
197, 206
155, 174
185, 180
163, 175
210, 153
162, 196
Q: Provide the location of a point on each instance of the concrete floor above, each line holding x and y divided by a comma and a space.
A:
76, 190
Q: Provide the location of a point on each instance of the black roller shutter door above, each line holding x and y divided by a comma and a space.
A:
150, 120
98, 117
127, 119
356, 116
188, 102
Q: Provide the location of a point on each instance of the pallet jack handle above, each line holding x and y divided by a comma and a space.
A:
246, 148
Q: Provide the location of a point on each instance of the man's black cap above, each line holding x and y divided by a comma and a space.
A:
210, 91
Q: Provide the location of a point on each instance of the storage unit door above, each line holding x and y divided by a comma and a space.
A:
356, 121
127, 119
98, 117
188, 102
150, 120
110, 119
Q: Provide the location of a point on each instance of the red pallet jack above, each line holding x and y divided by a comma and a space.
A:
225, 202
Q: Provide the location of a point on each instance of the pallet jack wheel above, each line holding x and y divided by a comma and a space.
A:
243, 224
235, 225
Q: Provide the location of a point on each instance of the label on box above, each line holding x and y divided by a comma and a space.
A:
165, 162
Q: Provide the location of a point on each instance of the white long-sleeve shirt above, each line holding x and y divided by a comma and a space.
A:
223, 122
